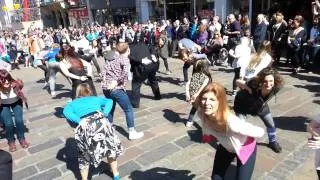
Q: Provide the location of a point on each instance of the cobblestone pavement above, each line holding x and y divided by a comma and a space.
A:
169, 150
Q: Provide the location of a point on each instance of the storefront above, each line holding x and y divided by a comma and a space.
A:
78, 17
254, 7
54, 14
123, 11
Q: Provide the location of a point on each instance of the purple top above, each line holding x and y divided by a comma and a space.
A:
202, 38
116, 70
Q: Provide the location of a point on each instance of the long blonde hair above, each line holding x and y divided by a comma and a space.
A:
83, 90
257, 57
221, 116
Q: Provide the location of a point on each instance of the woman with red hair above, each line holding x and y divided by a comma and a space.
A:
80, 71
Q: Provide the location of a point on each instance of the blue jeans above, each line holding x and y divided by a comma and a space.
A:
6, 117
121, 97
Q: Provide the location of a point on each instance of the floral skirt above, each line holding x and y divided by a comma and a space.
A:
96, 140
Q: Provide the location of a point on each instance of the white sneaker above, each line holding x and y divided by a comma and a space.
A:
135, 135
189, 124
53, 94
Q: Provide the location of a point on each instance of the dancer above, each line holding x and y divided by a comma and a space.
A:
241, 55
95, 136
253, 100
189, 59
144, 66
236, 137
12, 99
114, 78
258, 61
200, 78
74, 67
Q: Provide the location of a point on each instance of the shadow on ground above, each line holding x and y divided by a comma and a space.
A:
173, 116
159, 173
69, 155
297, 123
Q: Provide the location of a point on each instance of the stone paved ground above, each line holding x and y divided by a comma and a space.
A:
169, 150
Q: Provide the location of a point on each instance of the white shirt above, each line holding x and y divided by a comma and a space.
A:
249, 73
9, 98
236, 135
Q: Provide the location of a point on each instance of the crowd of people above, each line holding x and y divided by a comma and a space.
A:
133, 52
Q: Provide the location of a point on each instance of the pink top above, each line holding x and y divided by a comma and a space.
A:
236, 135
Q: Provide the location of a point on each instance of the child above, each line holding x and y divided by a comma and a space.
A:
200, 78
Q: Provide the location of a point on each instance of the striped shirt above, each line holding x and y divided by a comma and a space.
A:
116, 70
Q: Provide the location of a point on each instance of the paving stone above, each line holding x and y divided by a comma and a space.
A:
184, 142
24, 173
189, 154
19, 154
157, 154
42, 116
32, 158
127, 168
47, 175
46, 145
198, 165
276, 175
47, 164
130, 154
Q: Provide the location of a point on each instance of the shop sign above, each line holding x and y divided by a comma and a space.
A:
79, 13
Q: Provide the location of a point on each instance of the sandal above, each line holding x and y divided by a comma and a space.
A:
24, 143
12, 147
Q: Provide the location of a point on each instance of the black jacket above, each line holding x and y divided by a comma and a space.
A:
277, 33
246, 103
137, 53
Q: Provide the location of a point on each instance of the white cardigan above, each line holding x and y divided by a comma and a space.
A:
237, 132
247, 73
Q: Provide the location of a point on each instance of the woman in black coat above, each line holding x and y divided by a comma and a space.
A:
278, 36
297, 36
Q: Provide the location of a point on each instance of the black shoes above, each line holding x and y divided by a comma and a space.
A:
275, 146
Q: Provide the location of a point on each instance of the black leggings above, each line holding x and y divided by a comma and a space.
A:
222, 161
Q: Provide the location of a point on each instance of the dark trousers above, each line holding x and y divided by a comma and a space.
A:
318, 172
174, 46
185, 68
136, 86
235, 78
222, 161
277, 49
5, 165
295, 56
